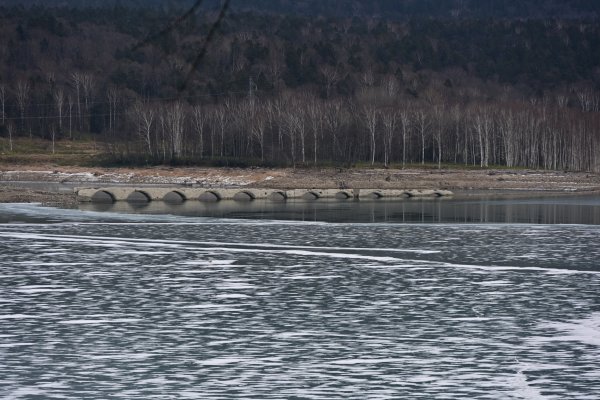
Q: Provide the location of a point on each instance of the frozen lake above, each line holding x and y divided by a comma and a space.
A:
138, 306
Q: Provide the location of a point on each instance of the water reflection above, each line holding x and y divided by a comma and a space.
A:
542, 210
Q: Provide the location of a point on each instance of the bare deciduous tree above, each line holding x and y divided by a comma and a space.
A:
290, 128
70, 104
112, 97
279, 107
438, 113
162, 119
390, 86
455, 119
144, 114
221, 116
10, 129
175, 122
390, 123
405, 121
87, 84
22, 93
508, 135
562, 100
482, 123
588, 100
333, 120
367, 79
423, 124
59, 101
371, 120
317, 120
3, 101
199, 118
331, 76
258, 128
53, 134
275, 66
76, 83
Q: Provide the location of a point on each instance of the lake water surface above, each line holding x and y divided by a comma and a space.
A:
355, 300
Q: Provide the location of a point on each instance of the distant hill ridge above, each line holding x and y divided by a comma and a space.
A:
388, 9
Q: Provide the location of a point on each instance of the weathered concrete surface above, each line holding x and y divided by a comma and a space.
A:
177, 195
318, 193
382, 193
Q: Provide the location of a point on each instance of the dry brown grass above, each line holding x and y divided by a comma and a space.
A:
38, 151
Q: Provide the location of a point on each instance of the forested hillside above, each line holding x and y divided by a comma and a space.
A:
285, 88
387, 9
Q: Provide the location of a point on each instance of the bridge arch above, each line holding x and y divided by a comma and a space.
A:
374, 195
139, 196
277, 196
310, 195
174, 197
342, 195
103, 196
210, 196
243, 196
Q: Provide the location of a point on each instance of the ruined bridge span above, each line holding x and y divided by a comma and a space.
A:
180, 195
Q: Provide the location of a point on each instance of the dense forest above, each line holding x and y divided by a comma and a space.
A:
388, 9
313, 86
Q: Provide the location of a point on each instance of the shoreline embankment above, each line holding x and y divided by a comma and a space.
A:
55, 185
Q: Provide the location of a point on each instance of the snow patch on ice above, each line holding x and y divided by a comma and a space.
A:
98, 321
586, 330
222, 361
17, 316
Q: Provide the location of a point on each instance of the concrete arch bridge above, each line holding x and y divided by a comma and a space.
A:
180, 195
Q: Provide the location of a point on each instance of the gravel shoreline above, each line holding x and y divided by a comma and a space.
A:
16, 181
46, 198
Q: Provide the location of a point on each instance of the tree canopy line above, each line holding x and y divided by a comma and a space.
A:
287, 90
